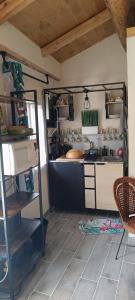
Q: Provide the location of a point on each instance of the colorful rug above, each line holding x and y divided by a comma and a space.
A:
101, 226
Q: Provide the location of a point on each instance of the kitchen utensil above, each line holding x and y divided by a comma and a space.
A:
19, 130
104, 151
111, 152
119, 152
91, 154
74, 153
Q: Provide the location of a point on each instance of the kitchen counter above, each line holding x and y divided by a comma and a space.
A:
101, 160
79, 183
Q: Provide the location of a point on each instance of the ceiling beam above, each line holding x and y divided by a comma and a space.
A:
9, 8
119, 12
76, 32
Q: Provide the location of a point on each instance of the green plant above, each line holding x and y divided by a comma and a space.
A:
89, 118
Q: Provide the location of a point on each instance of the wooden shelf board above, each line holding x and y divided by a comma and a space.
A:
114, 102
60, 106
17, 201
16, 137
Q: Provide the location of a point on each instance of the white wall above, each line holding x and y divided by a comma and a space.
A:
104, 62
131, 102
11, 38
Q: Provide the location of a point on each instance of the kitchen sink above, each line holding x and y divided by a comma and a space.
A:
111, 159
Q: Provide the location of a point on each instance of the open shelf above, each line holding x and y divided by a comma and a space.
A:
114, 102
16, 137
60, 106
23, 236
16, 202
25, 231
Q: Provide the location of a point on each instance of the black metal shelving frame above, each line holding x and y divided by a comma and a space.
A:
7, 209
94, 88
89, 88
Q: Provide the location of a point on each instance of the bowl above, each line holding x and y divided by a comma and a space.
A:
74, 154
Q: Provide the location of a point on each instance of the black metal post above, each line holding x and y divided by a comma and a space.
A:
120, 244
37, 79
95, 186
91, 88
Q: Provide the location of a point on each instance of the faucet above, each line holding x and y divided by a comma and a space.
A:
90, 142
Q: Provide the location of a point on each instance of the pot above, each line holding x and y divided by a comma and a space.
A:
74, 153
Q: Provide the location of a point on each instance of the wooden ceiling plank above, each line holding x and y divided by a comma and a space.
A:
76, 32
9, 8
119, 12
86, 41
46, 20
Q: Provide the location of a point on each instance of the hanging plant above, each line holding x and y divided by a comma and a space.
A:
89, 118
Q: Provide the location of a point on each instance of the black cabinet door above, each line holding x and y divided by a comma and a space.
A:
66, 185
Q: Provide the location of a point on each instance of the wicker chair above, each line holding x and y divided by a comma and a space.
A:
124, 193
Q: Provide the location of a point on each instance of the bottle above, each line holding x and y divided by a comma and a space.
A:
104, 151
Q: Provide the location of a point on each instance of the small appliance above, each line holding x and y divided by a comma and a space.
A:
19, 156
91, 154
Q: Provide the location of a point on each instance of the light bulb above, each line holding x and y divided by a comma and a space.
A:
86, 102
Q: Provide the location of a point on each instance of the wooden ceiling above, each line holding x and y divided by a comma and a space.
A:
64, 28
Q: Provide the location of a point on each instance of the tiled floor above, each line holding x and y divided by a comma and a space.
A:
81, 267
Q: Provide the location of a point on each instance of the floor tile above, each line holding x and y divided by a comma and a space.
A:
54, 235
86, 246
37, 296
105, 237
70, 278
117, 237
74, 262
130, 254
112, 266
106, 290
73, 241
84, 290
96, 261
54, 273
70, 225
52, 249
32, 280
58, 225
126, 289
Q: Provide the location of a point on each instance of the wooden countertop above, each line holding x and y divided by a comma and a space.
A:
103, 160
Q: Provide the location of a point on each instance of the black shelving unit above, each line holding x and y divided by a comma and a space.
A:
94, 88
27, 235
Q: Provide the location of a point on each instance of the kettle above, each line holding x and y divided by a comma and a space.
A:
119, 152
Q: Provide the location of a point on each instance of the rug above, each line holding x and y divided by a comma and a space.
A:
101, 226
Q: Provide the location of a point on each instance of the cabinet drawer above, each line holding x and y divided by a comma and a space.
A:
89, 199
89, 170
89, 182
